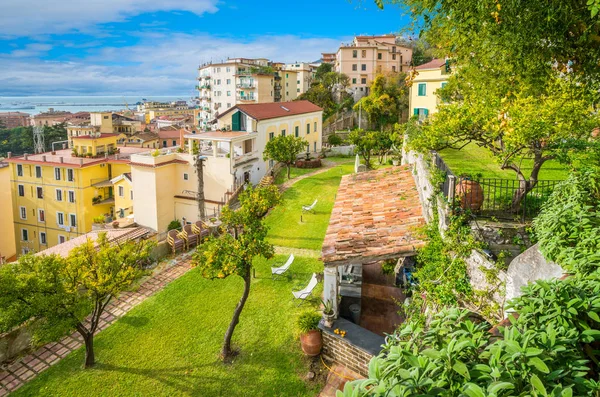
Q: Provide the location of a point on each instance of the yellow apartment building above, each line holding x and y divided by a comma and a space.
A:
7, 236
165, 182
427, 79
55, 196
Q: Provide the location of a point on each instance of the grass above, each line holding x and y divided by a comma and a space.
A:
473, 160
294, 173
169, 344
289, 227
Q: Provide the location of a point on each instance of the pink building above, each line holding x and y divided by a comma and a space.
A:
368, 56
14, 119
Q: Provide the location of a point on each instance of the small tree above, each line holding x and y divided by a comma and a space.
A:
368, 143
386, 101
232, 253
284, 149
73, 292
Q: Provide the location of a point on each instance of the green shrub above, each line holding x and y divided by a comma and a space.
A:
98, 219
568, 228
308, 321
174, 225
334, 140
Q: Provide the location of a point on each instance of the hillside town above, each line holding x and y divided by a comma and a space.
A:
406, 215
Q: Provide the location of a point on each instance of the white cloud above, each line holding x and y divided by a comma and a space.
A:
160, 64
19, 18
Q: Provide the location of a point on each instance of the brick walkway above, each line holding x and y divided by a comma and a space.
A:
26, 368
337, 378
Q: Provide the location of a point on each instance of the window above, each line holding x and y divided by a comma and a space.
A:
363, 80
307, 129
422, 89
296, 131
228, 80
38, 171
354, 67
71, 196
315, 130
23, 212
164, 143
219, 82
228, 105
393, 49
174, 142
297, 81
363, 66
61, 239
297, 89
271, 136
363, 53
41, 215
21, 190
105, 117
287, 76
19, 169
40, 192
70, 175
379, 55
43, 238
315, 147
393, 57
228, 69
24, 235
354, 53
73, 220
393, 68
228, 93
121, 191
282, 132
58, 195
60, 219
444, 84
57, 174
354, 80
186, 176
421, 112
131, 194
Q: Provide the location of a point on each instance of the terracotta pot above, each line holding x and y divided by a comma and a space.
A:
470, 194
311, 342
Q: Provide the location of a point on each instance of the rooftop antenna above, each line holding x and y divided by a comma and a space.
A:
38, 139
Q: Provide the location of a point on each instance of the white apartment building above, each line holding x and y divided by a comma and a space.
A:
235, 81
305, 75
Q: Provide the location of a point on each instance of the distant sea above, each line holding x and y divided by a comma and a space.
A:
38, 104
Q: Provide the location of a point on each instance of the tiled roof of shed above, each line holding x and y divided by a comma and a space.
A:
376, 216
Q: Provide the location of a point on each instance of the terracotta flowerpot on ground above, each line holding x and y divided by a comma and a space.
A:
311, 342
470, 194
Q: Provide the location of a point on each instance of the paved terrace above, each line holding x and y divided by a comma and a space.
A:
64, 157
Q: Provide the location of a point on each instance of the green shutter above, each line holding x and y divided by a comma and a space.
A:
422, 89
416, 112
235, 121
426, 111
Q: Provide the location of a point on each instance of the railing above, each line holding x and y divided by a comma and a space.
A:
246, 85
245, 157
246, 97
493, 197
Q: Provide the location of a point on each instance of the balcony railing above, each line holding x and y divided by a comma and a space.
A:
245, 97
245, 157
246, 85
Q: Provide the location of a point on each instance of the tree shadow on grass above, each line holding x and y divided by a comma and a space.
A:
134, 321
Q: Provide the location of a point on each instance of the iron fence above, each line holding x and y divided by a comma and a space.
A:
500, 198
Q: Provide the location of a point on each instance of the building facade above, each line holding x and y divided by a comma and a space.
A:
56, 195
166, 185
427, 79
14, 119
366, 56
305, 75
8, 248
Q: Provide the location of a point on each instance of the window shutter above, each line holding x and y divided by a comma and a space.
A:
235, 121
416, 112
426, 111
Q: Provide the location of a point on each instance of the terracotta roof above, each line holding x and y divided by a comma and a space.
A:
168, 133
63, 158
433, 64
159, 164
145, 136
264, 111
115, 236
376, 216
218, 135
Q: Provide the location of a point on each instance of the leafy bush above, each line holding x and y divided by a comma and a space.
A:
308, 321
98, 219
334, 140
568, 228
175, 224
547, 350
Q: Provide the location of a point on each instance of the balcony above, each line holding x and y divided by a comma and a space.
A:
99, 200
245, 158
246, 85
245, 97
205, 86
206, 98
206, 109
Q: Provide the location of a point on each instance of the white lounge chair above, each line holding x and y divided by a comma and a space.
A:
309, 208
305, 293
280, 271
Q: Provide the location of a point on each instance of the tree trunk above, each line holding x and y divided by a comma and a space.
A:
226, 349
525, 186
200, 172
289, 168
90, 359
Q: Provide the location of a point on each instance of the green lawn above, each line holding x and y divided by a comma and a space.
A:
294, 173
289, 227
476, 160
169, 344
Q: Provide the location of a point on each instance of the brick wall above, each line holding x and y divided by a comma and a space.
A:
338, 349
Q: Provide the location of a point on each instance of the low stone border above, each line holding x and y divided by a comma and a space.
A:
26, 368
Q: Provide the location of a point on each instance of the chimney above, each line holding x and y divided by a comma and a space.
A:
64, 146
61, 159
81, 162
44, 158
9, 154
25, 155
105, 155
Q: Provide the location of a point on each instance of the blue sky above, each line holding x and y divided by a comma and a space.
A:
120, 47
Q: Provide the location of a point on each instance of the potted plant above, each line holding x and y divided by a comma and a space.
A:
310, 335
328, 313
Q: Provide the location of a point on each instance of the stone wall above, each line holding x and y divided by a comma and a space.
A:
477, 264
355, 350
502, 236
